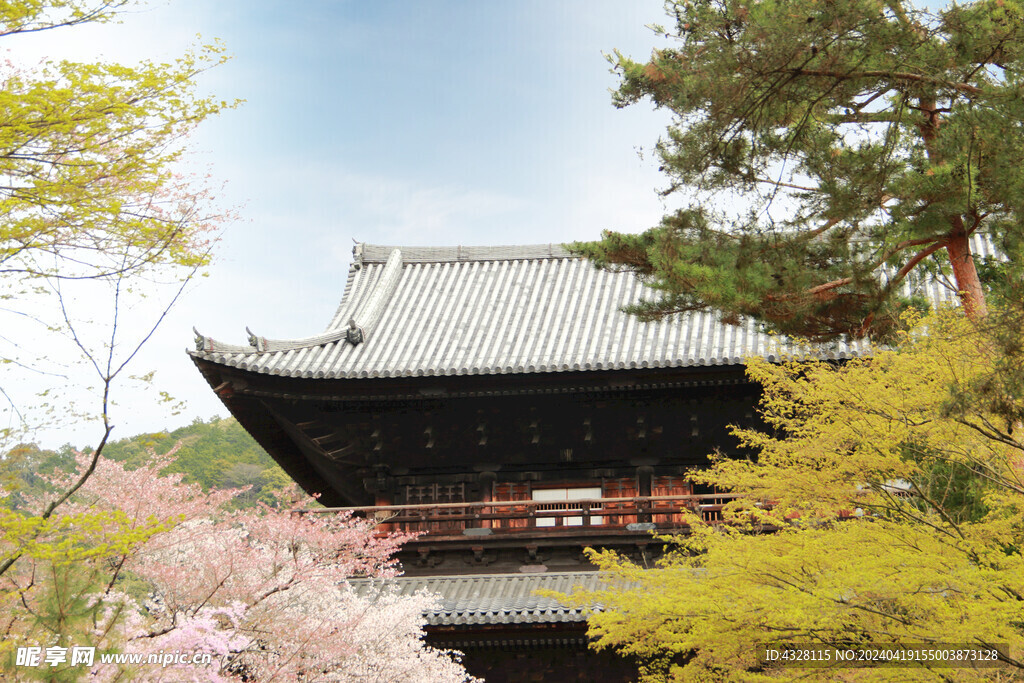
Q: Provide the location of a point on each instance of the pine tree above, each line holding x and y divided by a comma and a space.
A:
867, 141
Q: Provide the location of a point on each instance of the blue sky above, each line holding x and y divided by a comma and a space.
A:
428, 123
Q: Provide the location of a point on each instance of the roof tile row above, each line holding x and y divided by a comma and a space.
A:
493, 598
505, 310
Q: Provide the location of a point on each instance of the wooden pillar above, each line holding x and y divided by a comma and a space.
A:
487, 480
644, 475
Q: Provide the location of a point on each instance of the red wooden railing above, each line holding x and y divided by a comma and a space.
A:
569, 516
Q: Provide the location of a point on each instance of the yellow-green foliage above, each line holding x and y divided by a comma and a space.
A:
73, 538
931, 553
66, 563
88, 150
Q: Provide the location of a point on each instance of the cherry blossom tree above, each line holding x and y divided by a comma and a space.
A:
263, 592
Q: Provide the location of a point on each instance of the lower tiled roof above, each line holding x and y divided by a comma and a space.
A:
484, 599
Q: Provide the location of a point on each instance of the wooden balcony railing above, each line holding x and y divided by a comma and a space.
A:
584, 517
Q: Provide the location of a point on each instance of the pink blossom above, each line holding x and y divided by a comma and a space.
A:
263, 591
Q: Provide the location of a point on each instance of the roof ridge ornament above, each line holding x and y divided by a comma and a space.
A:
259, 343
203, 343
354, 334
206, 344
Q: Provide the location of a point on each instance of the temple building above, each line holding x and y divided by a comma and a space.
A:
499, 400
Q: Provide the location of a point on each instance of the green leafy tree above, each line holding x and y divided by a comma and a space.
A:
93, 208
896, 488
93, 202
87, 153
869, 140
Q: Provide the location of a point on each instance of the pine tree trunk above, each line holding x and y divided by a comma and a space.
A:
967, 283
958, 247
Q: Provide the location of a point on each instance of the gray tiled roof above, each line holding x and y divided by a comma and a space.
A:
494, 598
422, 311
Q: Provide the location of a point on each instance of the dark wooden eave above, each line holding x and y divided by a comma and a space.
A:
292, 418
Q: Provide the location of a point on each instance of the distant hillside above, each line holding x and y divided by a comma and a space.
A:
215, 454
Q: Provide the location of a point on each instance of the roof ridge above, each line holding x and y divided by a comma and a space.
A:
376, 253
